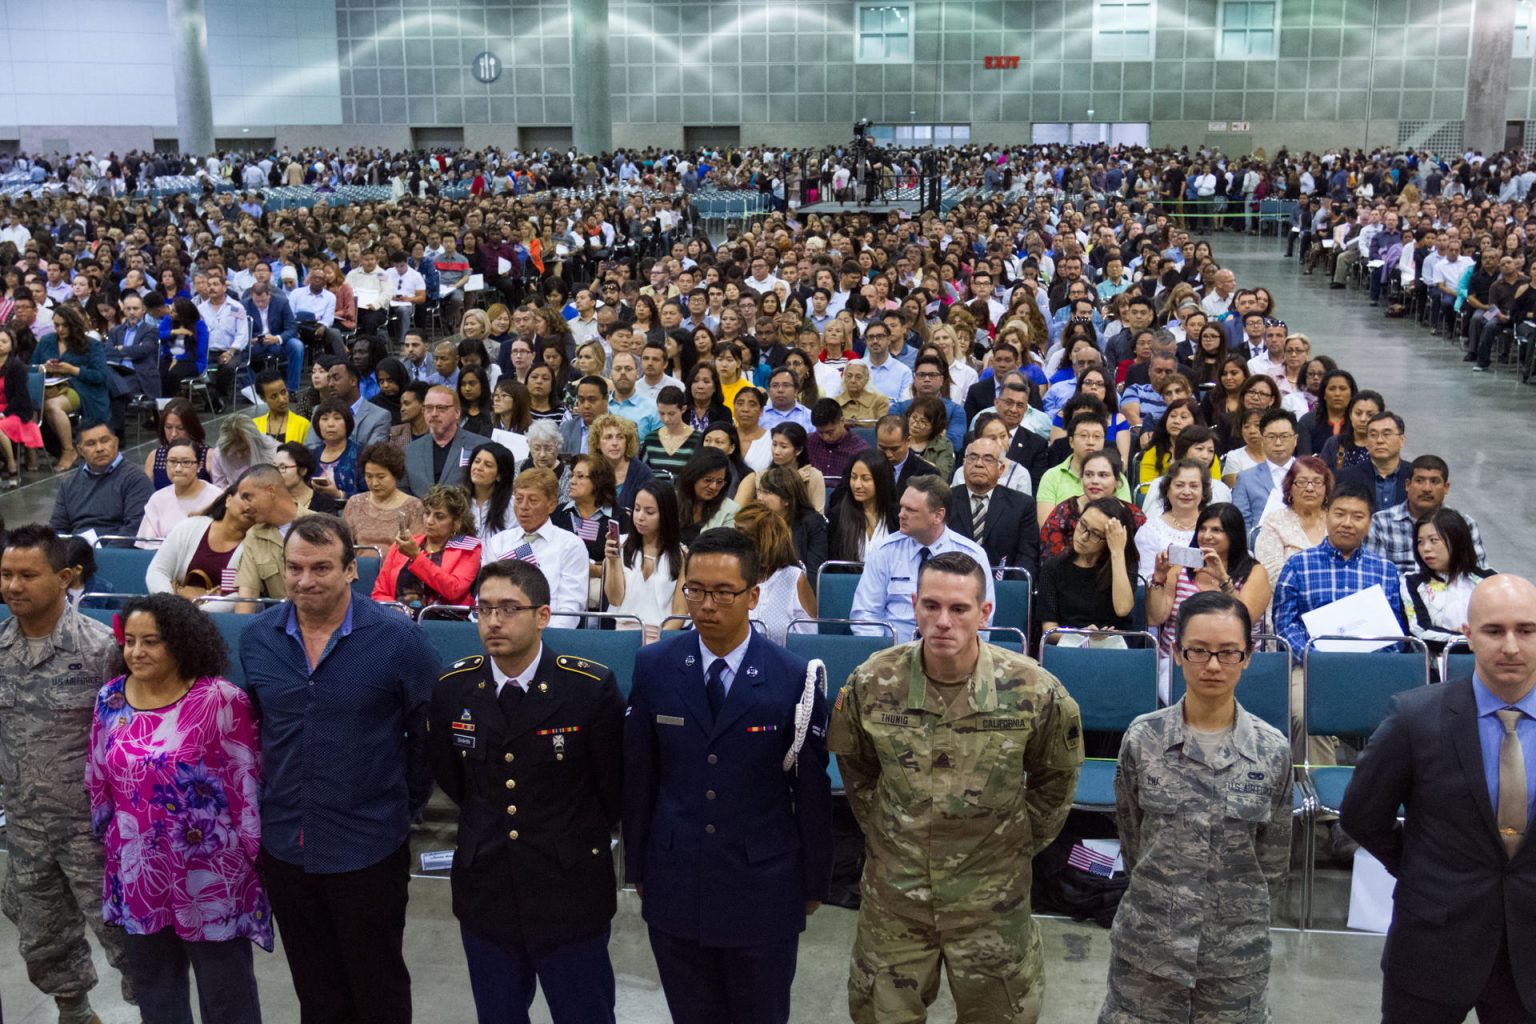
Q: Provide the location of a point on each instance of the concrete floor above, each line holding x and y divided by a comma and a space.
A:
1342, 964
1449, 411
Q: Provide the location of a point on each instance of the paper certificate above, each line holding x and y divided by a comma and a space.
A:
1366, 613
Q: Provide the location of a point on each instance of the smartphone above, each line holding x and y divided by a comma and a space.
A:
1190, 558
613, 530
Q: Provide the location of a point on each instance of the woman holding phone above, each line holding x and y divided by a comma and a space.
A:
438, 566
643, 570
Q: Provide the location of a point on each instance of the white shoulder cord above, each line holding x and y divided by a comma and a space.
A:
815, 672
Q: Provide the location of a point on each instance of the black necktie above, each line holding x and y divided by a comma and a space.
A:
923, 554
714, 687
510, 698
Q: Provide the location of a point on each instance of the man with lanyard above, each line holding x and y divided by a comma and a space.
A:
727, 804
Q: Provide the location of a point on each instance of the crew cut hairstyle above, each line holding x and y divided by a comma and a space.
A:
727, 540
320, 529
955, 563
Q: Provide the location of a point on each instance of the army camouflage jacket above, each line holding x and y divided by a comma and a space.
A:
1207, 846
953, 808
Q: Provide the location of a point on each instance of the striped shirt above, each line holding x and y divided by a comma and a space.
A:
664, 464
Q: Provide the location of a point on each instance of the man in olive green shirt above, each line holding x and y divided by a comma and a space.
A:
261, 555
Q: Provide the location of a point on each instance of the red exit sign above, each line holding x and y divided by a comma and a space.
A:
1000, 62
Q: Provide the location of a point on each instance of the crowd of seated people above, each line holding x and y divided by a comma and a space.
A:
1002, 347
1054, 377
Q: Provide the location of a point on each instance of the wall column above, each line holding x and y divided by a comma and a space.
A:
1493, 44
189, 64
592, 121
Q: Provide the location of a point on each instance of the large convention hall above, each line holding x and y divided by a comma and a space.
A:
777, 512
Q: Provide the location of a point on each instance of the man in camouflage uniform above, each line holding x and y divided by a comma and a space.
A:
53, 660
1203, 804
960, 760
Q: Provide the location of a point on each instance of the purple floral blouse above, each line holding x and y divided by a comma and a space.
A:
175, 796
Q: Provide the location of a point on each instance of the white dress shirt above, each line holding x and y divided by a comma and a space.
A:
523, 678
560, 556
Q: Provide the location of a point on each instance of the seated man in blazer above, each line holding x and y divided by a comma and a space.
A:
441, 455
1009, 532
275, 332
1254, 484
1458, 763
983, 394
370, 423
1027, 448
133, 355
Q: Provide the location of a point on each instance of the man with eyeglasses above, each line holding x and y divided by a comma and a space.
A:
559, 554
441, 455
727, 804
887, 374
1259, 486
1204, 759
928, 381
1000, 519
529, 743
1386, 473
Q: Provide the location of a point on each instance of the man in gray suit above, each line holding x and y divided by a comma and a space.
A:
370, 423
441, 455
133, 355
1251, 494
591, 402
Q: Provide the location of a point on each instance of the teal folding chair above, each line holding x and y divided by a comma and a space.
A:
1112, 686
1456, 662
1014, 592
615, 648
836, 583
1347, 693
367, 570
841, 653
123, 570
1006, 637
231, 626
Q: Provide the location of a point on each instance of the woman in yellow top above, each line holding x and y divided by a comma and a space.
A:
1158, 456
729, 360
277, 422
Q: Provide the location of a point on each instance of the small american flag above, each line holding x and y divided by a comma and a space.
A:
227, 579
462, 543
523, 553
587, 529
464, 454
1091, 861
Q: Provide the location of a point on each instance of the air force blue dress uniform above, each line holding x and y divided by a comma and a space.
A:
727, 846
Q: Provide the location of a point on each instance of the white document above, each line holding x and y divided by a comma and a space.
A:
1366, 613
517, 444
437, 860
503, 265
476, 283
89, 536
1370, 894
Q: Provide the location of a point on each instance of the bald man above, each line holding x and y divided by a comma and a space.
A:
1461, 760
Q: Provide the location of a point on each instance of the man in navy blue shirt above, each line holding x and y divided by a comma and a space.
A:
342, 687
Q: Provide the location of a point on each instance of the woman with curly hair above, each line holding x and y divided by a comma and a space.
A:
174, 779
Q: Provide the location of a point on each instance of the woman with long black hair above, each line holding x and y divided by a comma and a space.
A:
866, 512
